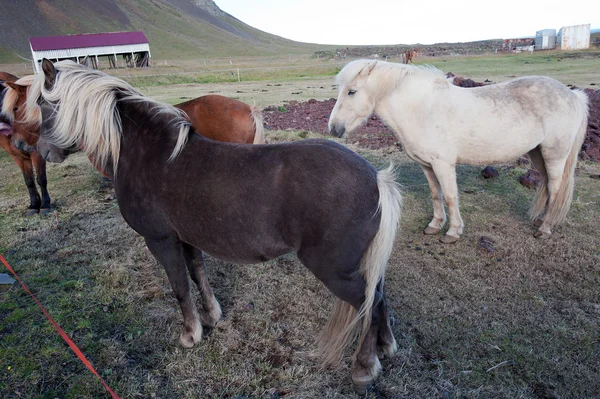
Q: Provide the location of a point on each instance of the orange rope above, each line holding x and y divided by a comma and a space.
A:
62, 333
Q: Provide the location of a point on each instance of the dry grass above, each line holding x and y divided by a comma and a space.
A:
521, 321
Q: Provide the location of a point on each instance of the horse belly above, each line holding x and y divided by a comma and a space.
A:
484, 145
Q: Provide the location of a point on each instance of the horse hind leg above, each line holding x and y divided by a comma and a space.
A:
557, 197
168, 251
439, 215
386, 343
348, 285
538, 208
211, 312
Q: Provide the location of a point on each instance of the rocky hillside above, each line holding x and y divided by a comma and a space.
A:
176, 29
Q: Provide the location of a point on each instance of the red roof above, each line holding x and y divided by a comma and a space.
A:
86, 40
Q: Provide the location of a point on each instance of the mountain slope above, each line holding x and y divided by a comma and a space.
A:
176, 29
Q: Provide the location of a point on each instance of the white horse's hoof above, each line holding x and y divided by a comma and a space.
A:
542, 234
449, 239
538, 222
431, 230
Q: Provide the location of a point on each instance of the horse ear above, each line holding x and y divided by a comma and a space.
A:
16, 87
366, 71
49, 72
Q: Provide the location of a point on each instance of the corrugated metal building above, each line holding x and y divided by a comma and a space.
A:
545, 39
133, 46
576, 37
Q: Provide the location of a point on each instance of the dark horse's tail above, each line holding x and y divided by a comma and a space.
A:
340, 330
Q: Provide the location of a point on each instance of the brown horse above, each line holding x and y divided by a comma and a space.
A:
247, 203
225, 119
25, 160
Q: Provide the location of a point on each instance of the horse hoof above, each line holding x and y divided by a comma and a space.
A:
45, 211
389, 350
542, 234
363, 377
189, 339
449, 239
361, 389
431, 230
31, 212
538, 222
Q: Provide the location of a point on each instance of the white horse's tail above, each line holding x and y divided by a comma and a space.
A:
259, 128
340, 330
557, 210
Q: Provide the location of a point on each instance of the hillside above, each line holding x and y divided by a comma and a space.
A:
176, 29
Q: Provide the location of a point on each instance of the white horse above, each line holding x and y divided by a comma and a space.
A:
441, 125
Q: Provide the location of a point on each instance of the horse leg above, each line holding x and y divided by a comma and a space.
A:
386, 343
342, 277
169, 252
439, 215
367, 365
40, 167
555, 170
34, 197
210, 313
446, 175
541, 199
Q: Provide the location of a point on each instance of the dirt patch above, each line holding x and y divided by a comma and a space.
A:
591, 145
313, 116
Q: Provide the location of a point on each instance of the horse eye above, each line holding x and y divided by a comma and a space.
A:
351, 92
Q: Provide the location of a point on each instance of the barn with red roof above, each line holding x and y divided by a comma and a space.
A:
91, 48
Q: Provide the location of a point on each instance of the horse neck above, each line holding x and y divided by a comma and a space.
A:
146, 136
407, 100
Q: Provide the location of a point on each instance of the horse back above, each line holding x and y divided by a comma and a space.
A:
220, 118
290, 195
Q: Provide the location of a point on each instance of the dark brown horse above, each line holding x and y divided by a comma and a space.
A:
222, 118
187, 195
26, 160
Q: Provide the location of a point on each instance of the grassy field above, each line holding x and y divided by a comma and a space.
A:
521, 320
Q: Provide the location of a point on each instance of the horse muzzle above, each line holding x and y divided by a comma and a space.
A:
337, 131
5, 129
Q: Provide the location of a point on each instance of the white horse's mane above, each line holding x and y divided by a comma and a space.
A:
385, 71
86, 113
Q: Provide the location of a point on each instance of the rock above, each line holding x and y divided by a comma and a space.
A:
489, 172
486, 244
530, 179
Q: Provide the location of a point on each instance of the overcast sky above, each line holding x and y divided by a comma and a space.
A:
409, 22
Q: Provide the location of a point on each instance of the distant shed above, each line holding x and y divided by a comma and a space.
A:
576, 37
133, 46
545, 39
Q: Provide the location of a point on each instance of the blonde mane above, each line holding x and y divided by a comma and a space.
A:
12, 96
385, 72
86, 113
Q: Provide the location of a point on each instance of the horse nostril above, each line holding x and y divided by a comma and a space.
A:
337, 131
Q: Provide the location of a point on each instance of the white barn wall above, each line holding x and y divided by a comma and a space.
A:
38, 56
